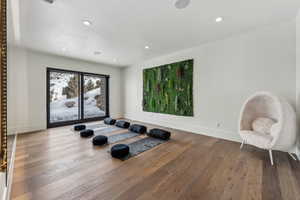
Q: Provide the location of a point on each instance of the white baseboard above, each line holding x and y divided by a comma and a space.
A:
298, 153
24, 129
197, 129
6, 189
11, 168
4, 196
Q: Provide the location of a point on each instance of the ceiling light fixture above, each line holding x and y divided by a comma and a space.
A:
147, 47
219, 19
87, 22
64, 49
181, 4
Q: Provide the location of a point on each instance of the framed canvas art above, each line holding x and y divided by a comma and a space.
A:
168, 89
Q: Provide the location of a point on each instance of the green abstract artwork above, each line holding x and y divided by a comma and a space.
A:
169, 89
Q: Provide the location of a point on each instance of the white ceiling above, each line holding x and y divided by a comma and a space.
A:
122, 28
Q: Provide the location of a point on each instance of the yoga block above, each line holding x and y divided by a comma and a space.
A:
99, 140
87, 133
79, 127
138, 128
122, 124
119, 150
159, 133
109, 121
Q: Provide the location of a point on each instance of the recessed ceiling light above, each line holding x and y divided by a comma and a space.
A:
64, 49
180, 4
147, 47
219, 19
87, 22
97, 52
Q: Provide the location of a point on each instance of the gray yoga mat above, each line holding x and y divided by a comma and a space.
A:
95, 126
121, 136
142, 145
107, 130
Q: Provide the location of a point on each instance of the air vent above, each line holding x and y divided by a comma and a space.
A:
49, 1
181, 4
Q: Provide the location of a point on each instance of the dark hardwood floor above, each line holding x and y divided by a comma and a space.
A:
58, 164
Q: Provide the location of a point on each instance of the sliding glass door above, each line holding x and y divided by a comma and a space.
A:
74, 97
94, 97
64, 96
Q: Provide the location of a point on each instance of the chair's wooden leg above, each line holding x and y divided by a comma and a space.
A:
292, 156
243, 142
271, 156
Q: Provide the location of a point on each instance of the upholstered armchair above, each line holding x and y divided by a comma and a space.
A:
268, 122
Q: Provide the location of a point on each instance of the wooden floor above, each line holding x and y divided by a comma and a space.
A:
58, 164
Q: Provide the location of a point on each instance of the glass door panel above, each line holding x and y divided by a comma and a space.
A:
76, 97
64, 96
94, 96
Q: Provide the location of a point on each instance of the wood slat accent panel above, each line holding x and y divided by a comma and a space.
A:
3, 87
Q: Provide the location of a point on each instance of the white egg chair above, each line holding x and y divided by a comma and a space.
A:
275, 117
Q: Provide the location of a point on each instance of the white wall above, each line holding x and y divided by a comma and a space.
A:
225, 73
27, 86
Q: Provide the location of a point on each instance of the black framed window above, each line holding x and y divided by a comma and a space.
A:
75, 97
